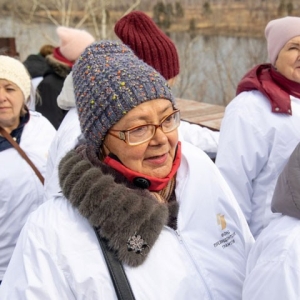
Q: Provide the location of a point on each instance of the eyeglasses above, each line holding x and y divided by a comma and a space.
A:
140, 134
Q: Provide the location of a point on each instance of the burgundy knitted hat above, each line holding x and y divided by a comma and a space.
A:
149, 43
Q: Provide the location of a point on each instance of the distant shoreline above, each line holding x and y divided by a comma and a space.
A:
233, 19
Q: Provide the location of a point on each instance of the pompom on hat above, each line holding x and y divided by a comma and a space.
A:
72, 42
13, 70
149, 43
278, 32
109, 80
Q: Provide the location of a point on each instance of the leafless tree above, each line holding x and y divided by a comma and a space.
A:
213, 59
71, 13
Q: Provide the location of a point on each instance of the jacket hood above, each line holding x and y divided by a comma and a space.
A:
261, 78
66, 98
58, 67
36, 65
286, 198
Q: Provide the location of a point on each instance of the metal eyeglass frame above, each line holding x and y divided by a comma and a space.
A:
122, 133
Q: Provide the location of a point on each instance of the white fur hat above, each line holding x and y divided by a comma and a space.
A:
13, 70
73, 41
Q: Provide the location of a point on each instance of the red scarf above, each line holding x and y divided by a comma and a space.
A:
61, 58
151, 183
271, 84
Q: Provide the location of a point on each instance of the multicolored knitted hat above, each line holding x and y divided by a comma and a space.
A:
109, 81
149, 43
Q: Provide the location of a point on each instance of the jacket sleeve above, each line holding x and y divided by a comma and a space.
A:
33, 273
242, 153
272, 280
201, 137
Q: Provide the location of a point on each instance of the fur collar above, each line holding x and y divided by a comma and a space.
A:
58, 67
129, 218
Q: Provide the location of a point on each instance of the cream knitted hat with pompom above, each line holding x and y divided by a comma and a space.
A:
13, 70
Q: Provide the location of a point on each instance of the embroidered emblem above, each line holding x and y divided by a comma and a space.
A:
221, 221
136, 243
228, 238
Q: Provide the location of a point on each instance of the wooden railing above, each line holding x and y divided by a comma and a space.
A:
204, 114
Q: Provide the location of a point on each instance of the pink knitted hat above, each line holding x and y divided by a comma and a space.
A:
278, 32
72, 42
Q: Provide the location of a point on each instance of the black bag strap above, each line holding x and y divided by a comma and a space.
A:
116, 270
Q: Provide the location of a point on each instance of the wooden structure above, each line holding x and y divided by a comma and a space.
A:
204, 114
8, 46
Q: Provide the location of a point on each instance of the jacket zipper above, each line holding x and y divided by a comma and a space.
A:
177, 232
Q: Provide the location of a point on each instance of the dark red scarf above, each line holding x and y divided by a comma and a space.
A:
271, 84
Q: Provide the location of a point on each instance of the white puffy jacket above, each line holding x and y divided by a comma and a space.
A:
254, 146
58, 255
21, 191
273, 267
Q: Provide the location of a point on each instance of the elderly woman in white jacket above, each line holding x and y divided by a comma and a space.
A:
21, 191
261, 124
161, 206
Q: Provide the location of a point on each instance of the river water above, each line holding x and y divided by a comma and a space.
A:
210, 66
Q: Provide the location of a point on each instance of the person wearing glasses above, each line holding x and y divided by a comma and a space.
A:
149, 43
161, 205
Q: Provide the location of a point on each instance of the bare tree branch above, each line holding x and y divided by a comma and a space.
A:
132, 7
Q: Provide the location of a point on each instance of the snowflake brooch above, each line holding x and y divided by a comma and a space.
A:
136, 243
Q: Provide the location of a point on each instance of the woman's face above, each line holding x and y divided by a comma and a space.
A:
154, 157
11, 103
288, 60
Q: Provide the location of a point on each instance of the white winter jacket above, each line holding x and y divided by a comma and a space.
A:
273, 268
253, 148
58, 255
21, 191
66, 138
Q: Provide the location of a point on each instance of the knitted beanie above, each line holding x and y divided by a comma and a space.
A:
73, 41
278, 32
13, 70
149, 43
109, 81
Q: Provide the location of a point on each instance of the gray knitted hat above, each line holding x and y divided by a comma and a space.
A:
109, 81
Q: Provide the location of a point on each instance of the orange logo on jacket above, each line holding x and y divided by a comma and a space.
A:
221, 221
